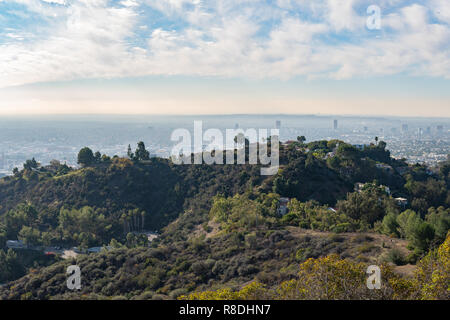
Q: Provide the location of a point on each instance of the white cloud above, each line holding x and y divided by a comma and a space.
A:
441, 10
88, 44
61, 2
129, 3
92, 39
342, 16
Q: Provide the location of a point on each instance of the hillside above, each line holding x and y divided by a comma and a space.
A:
219, 225
168, 271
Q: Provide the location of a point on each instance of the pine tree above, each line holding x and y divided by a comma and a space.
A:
130, 153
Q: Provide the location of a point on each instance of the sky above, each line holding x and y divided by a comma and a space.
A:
225, 57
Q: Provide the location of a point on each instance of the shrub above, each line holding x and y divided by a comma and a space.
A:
422, 236
177, 292
396, 257
433, 272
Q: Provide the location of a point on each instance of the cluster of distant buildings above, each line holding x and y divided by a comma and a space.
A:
404, 129
424, 141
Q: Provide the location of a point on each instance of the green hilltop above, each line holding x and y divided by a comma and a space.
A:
219, 226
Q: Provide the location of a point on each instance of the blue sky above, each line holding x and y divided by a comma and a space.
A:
247, 56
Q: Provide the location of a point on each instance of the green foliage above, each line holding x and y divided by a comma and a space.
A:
14, 265
369, 205
118, 198
85, 157
30, 236
241, 213
327, 278
309, 177
396, 257
439, 219
135, 240
85, 227
10, 267
432, 275
408, 221
97, 157
301, 139
422, 236
141, 153
378, 152
311, 215
332, 278
30, 164
24, 215
348, 152
427, 193
390, 225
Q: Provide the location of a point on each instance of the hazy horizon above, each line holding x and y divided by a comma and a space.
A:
210, 57
119, 116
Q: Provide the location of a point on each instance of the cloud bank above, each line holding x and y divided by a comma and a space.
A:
59, 40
